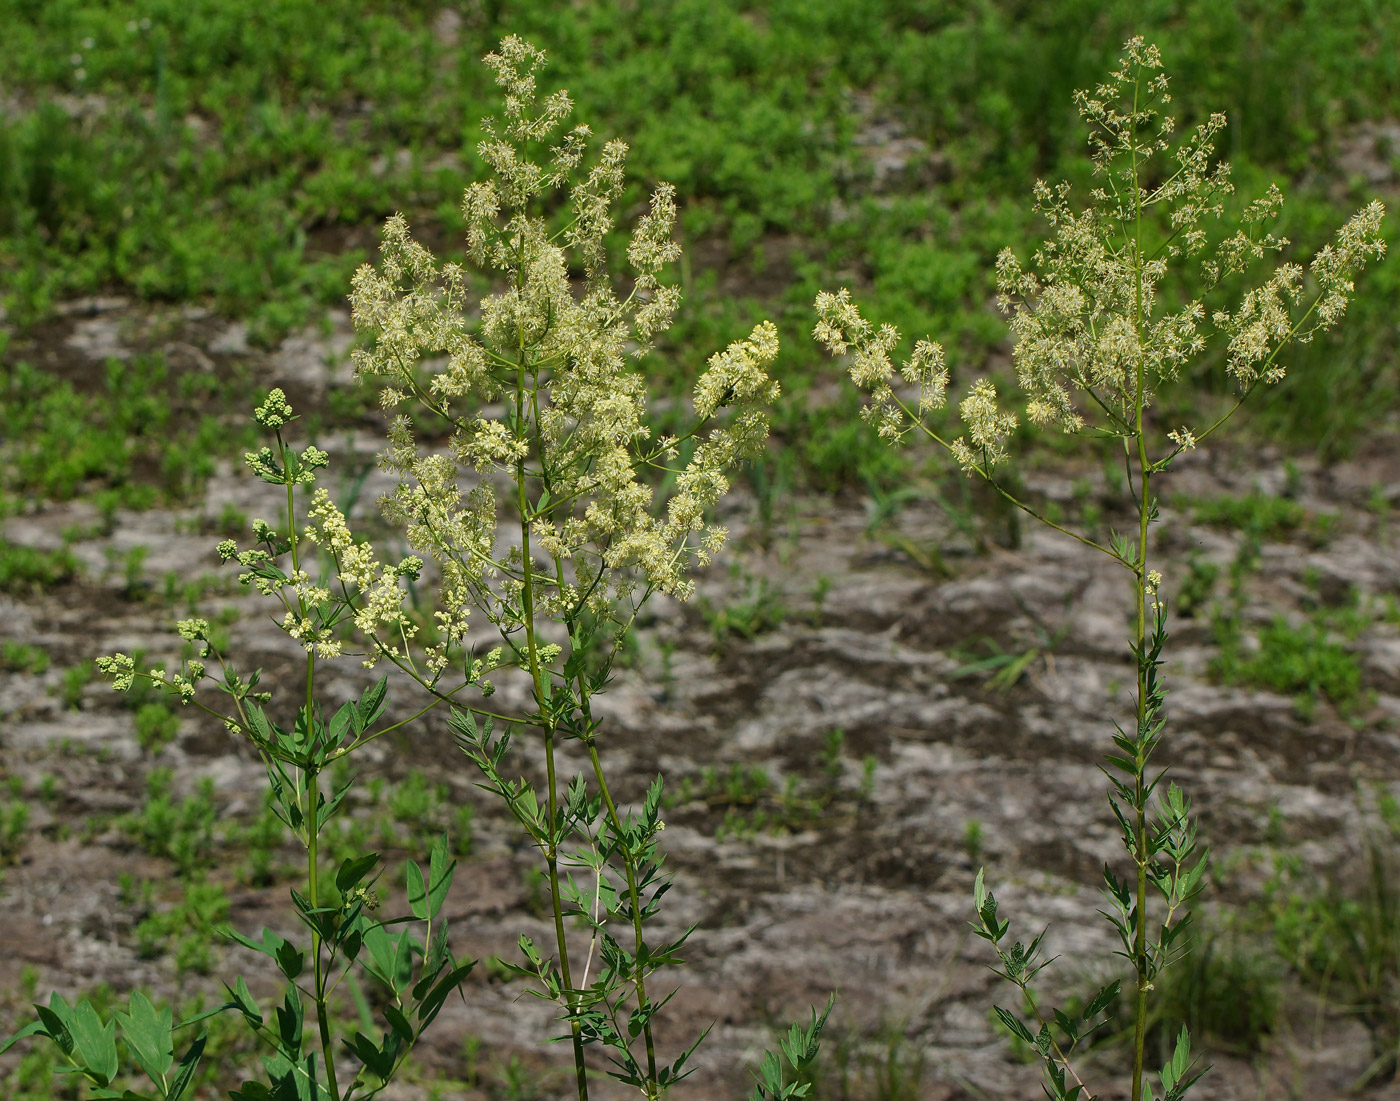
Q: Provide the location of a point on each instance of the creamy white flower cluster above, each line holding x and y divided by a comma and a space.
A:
1091, 335
840, 326
1093, 340
122, 669
538, 385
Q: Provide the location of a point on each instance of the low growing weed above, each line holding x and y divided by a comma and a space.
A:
63, 443
28, 569
156, 726
1301, 660
179, 831
757, 610
14, 828
187, 928
23, 657
1342, 935
75, 680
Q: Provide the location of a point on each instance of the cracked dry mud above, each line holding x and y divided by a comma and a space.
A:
871, 896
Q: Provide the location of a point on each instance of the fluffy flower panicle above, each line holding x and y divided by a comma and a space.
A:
1094, 338
560, 352
841, 327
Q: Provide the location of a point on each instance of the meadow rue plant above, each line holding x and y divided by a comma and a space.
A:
1096, 338
346, 939
538, 518
539, 395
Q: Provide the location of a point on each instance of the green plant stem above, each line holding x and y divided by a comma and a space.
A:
323, 1017
313, 808
630, 866
551, 854
1140, 599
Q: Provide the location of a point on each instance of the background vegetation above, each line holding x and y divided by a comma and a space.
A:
238, 157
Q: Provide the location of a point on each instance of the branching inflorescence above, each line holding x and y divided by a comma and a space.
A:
541, 509
540, 394
1096, 337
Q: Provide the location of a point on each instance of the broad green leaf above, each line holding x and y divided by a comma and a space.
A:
440, 869
353, 869
96, 1043
417, 892
146, 1031
244, 1002
372, 702
289, 1023
340, 724
399, 1023
428, 1008
379, 1061
290, 960
58, 1022
31, 1029
326, 808
319, 919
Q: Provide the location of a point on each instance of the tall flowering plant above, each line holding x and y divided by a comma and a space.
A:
1095, 340
540, 512
539, 517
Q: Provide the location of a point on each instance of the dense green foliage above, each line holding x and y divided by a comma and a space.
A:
241, 153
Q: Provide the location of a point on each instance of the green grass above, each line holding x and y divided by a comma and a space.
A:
27, 569
136, 435
185, 929
1227, 991
239, 155
756, 610
23, 657
1341, 935
179, 831
1257, 514
156, 726
1302, 660
14, 826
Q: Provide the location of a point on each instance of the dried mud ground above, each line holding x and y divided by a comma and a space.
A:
866, 889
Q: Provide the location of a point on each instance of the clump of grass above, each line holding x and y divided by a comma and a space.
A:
179, 831
187, 928
1258, 514
1300, 659
156, 726
23, 657
1342, 934
1226, 990
885, 1066
28, 569
75, 680
758, 609
14, 827
131, 444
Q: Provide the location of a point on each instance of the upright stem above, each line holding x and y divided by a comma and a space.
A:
633, 895
311, 813
1140, 598
323, 1017
551, 854
1140, 856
